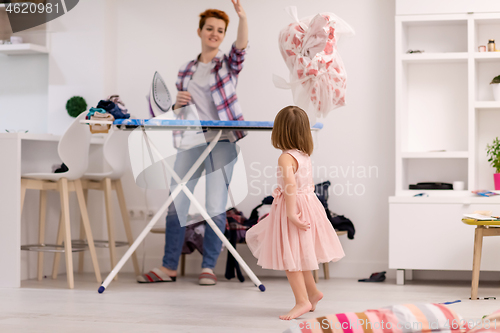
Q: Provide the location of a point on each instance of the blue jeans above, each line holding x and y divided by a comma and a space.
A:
223, 156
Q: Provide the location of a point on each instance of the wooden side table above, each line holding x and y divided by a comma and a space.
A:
483, 228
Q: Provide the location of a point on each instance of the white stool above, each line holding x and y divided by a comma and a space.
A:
115, 152
73, 150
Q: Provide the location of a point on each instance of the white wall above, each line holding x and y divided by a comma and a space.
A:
23, 93
23, 83
81, 59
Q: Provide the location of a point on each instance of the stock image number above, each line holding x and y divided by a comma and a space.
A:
32, 8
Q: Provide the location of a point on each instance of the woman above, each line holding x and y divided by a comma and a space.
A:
208, 82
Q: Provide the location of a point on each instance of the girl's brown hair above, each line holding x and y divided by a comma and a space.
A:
219, 14
291, 130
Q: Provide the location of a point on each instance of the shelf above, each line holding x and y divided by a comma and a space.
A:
435, 57
486, 56
20, 49
443, 197
487, 105
433, 20
441, 154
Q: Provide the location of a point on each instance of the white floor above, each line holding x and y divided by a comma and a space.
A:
230, 306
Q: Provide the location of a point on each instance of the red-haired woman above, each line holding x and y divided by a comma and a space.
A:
208, 82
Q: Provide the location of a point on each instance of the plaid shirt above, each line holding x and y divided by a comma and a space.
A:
223, 81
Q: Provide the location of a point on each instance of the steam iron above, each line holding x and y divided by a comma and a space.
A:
159, 97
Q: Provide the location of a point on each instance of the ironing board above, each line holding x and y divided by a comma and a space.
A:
193, 125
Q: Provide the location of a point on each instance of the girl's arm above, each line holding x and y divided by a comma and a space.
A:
288, 166
242, 38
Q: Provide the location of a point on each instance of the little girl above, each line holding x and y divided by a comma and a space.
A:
296, 235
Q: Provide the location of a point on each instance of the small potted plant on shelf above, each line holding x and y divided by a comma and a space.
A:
495, 85
75, 106
493, 152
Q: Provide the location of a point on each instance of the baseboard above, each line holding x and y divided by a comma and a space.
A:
341, 269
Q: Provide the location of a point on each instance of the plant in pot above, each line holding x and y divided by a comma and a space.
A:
495, 86
493, 152
75, 106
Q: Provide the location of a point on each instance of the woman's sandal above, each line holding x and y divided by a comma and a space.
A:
207, 277
155, 275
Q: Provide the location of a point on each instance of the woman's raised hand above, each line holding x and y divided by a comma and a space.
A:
239, 9
183, 97
303, 225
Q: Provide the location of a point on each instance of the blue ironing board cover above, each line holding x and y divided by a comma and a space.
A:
215, 124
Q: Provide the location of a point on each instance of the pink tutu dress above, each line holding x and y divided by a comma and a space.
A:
278, 244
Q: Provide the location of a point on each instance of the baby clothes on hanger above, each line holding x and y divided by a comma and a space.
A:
317, 74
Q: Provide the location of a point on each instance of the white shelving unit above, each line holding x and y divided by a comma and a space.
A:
445, 116
444, 105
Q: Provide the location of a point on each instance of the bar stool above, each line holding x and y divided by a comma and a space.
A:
73, 150
115, 152
326, 266
483, 228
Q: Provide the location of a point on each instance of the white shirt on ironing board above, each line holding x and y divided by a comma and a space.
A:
201, 96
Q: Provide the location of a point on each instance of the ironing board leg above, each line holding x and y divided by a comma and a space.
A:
223, 238
138, 240
163, 208
182, 183
155, 218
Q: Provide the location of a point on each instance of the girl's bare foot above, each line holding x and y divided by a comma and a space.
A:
315, 299
297, 311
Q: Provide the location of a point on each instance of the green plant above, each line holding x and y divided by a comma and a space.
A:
496, 79
493, 152
75, 106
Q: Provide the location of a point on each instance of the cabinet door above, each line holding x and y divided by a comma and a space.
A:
432, 236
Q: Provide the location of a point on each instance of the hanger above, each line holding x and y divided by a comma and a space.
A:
342, 27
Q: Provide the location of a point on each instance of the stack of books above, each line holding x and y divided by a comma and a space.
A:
481, 217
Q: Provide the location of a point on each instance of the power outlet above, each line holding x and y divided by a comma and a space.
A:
140, 213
